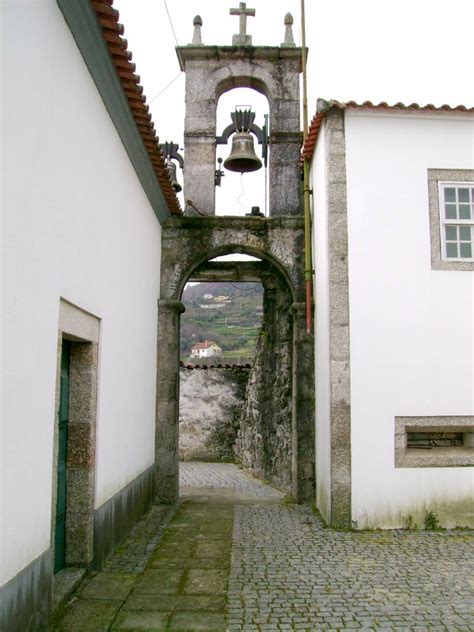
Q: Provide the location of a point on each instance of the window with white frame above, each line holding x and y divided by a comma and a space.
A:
456, 201
451, 211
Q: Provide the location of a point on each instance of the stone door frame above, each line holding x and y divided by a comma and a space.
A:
83, 330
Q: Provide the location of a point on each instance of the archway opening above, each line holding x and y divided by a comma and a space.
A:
236, 367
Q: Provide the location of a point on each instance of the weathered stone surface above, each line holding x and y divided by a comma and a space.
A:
277, 428
167, 400
197, 621
288, 572
141, 621
211, 71
206, 582
79, 532
80, 486
339, 333
264, 443
109, 586
85, 615
83, 392
210, 406
81, 445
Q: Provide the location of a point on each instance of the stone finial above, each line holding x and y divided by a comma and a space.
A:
197, 31
289, 40
242, 39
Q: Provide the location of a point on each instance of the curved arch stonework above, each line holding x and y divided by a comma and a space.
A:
197, 239
189, 242
273, 71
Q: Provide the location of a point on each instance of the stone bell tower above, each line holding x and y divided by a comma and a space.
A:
271, 70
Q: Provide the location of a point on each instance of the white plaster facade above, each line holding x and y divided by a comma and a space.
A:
77, 225
411, 327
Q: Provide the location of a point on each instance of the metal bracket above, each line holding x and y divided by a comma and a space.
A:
170, 151
219, 174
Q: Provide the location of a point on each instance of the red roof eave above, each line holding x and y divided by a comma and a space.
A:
112, 32
325, 106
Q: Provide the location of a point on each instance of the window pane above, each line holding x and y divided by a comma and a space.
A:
463, 195
451, 233
464, 233
450, 195
464, 211
450, 211
466, 251
451, 250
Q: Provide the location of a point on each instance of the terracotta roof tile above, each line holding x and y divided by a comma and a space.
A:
323, 107
204, 345
117, 46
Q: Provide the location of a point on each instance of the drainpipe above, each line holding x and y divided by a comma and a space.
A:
308, 266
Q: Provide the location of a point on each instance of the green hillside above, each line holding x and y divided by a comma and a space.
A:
230, 314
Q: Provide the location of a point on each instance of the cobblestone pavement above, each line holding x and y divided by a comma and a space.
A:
290, 573
224, 476
235, 555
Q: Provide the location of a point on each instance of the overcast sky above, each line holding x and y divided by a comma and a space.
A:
404, 50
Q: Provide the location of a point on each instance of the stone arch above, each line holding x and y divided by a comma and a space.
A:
187, 243
236, 249
278, 240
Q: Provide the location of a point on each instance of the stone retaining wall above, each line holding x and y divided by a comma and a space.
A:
211, 405
264, 440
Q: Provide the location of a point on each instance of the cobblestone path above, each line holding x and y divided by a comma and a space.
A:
234, 555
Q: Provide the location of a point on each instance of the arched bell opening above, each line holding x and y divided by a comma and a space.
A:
238, 191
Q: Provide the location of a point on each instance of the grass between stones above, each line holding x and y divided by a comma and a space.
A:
183, 587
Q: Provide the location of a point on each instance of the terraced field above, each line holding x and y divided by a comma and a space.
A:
230, 314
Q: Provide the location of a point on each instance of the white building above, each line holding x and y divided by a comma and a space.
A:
394, 294
206, 349
81, 208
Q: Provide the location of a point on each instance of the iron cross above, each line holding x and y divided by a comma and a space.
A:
242, 12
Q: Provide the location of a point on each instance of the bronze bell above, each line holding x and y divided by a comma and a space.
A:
171, 166
243, 158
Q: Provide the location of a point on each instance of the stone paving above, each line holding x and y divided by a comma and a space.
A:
236, 555
194, 477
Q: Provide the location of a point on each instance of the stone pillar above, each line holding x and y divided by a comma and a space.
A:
199, 139
303, 408
285, 173
199, 171
339, 322
167, 401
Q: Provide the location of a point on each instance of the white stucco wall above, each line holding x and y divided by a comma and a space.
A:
411, 328
321, 296
76, 224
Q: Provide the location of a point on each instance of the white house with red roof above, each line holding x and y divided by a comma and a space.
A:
206, 349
